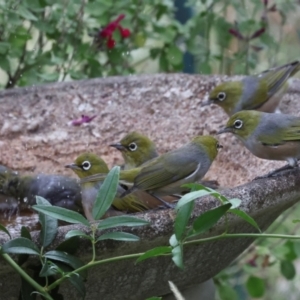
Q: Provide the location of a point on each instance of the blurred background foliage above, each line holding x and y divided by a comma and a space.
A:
48, 41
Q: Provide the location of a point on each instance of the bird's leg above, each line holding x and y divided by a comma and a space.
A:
277, 171
168, 205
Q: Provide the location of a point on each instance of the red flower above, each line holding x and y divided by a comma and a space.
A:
110, 43
125, 33
107, 32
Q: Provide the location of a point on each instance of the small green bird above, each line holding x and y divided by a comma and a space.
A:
261, 92
267, 135
166, 174
89, 164
136, 149
59, 190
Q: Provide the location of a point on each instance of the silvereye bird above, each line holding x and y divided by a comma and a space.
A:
166, 174
136, 149
267, 135
58, 190
261, 92
89, 164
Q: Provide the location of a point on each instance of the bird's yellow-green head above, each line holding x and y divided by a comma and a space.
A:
88, 164
210, 145
243, 123
226, 95
136, 149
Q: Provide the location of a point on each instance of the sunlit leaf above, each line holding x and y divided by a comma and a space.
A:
173, 240
177, 256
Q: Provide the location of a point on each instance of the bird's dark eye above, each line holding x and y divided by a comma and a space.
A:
86, 165
219, 146
221, 96
132, 146
238, 124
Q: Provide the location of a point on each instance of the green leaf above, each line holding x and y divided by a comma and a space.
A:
70, 245
191, 197
26, 14
22, 258
154, 298
287, 269
3, 228
291, 254
49, 224
107, 193
25, 233
195, 187
208, 219
64, 257
163, 62
235, 202
77, 282
119, 236
61, 213
177, 256
158, 251
255, 286
226, 292
121, 221
182, 218
20, 246
173, 241
245, 217
27, 290
80, 233
49, 269
174, 55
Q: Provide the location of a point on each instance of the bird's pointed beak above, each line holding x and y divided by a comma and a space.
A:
224, 130
118, 146
207, 102
73, 167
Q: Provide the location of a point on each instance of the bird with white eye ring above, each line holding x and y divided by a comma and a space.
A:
136, 149
262, 92
267, 135
88, 164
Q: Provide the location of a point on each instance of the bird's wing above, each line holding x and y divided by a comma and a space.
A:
168, 169
276, 77
288, 133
